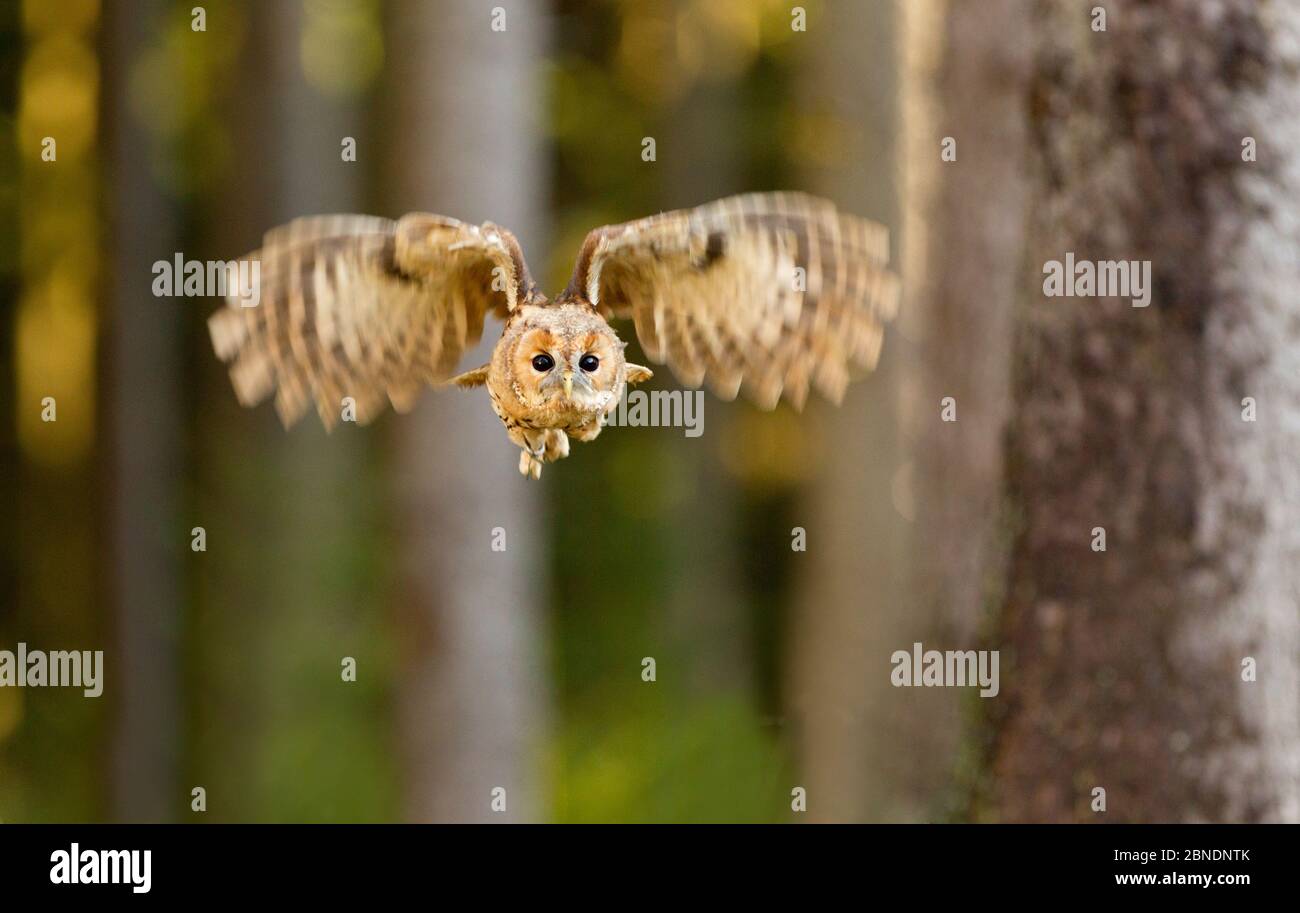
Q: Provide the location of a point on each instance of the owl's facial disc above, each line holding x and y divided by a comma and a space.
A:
570, 368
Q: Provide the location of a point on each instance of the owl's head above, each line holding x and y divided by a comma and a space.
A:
568, 358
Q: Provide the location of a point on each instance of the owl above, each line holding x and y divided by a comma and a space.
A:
770, 294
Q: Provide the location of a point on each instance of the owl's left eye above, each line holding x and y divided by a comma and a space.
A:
543, 362
589, 363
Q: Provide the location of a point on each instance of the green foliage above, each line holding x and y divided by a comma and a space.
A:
651, 753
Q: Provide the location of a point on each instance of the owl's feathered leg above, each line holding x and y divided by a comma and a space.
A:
532, 446
542, 447
588, 432
557, 445
529, 465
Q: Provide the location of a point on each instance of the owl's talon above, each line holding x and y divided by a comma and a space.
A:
529, 465
557, 446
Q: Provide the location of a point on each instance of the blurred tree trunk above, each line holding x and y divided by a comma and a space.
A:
849, 614
473, 704
902, 539
963, 244
143, 406
1123, 668
961, 255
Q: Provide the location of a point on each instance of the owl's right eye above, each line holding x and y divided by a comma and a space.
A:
543, 362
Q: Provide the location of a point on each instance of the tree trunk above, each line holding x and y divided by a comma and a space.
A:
1123, 668
147, 531
961, 257
965, 68
849, 614
473, 706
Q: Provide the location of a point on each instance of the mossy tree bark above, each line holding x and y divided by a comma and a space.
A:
1123, 669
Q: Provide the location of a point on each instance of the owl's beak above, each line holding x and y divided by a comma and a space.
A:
568, 385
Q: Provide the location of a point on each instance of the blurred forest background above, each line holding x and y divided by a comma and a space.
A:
522, 669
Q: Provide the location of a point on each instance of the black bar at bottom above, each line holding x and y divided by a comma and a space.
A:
335, 862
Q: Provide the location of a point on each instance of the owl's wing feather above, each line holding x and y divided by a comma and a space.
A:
365, 307
770, 293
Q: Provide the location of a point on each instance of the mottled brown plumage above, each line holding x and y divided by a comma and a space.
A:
767, 294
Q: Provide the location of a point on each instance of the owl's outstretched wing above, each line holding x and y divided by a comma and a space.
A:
768, 293
363, 307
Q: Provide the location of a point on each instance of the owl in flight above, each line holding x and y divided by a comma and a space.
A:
771, 294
